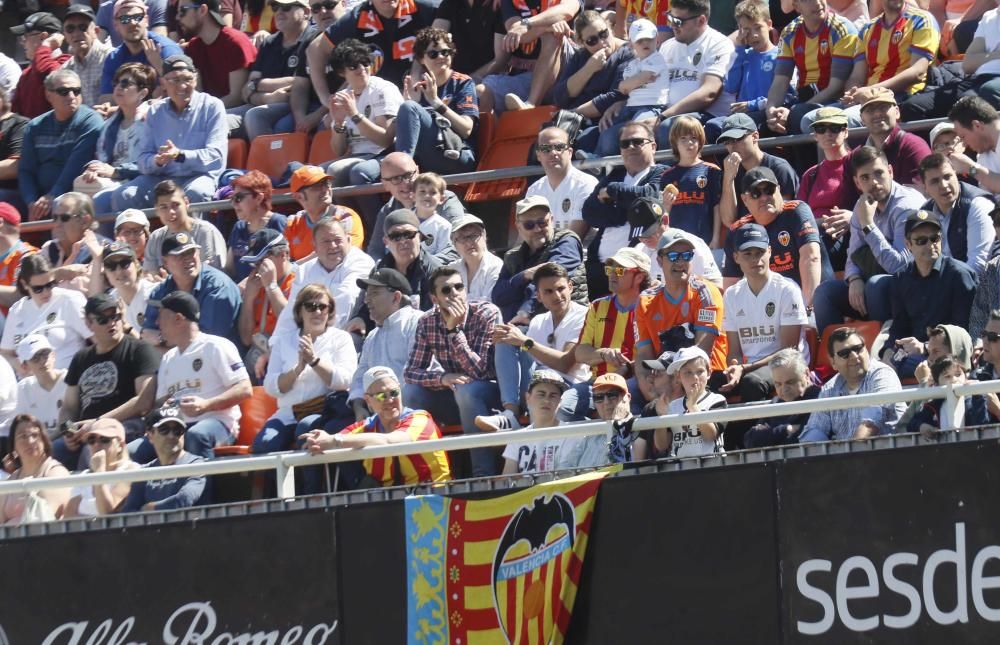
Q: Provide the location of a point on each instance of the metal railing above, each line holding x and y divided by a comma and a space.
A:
767, 143
284, 463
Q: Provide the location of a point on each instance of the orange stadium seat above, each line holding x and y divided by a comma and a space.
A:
237, 156
272, 153
254, 413
320, 153
487, 128
512, 139
867, 329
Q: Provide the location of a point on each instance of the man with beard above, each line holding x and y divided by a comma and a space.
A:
222, 54
880, 115
139, 45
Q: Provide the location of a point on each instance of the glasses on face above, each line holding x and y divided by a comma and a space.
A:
924, 240
676, 256
65, 217
991, 336
316, 307
946, 145
72, 29
382, 397
532, 224
607, 396
111, 265
323, 6
677, 22
176, 429
93, 440
399, 236
616, 271
552, 147
276, 7
48, 286
600, 36
447, 289
181, 80
405, 178
832, 129
637, 142
353, 67
851, 349
434, 54
766, 189
66, 91
104, 320
136, 18
469, 238
125, 83
237, 198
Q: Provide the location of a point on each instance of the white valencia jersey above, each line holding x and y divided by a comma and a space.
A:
209, 366
757, 318
43, 404
60, 320
687, 441
540, 330
565, 201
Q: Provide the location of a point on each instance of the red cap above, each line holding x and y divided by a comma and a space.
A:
9, 214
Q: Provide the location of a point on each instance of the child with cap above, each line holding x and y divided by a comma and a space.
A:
132, 228
545, 390
691, 367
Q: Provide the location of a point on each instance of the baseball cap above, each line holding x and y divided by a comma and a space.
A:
306, 176
117, 248
920, 218
131, 216
610, 379
31, 345
163, 416
183, 303
547, 376
40, 21
630, 258
645, 213
466, 219
941, 128
670, 237
751, 236
122, 5
100, 302
108, 428
662, 362
388, 278
684, 355
213, 10
81, 10
9, 214
401, 217
641, 29
830, 116
375, 374
261, 243
736, 126
883, 95
534, 201
178, 63
177, 243
758, 175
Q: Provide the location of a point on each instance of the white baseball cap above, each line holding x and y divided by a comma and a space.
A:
686, 354
31, 345
131, 216
640, 29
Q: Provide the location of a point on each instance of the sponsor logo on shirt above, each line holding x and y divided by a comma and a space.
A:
196, 365
235, 366
706, 316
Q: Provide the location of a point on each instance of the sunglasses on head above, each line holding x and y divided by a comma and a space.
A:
112, 265
852, 349
104, 320
924, 240
616, 271
237, 198
48, 286
552, 147
93, 440
319, 6
767, 189
637, 142
66, 91
382, 397
603, 34
991, 336
458, 287
675, 256
532, 224
607, 396
176, 429
314, 307
399, 236
823, 129
137, 17
434, 54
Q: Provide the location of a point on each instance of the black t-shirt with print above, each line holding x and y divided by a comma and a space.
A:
108, 380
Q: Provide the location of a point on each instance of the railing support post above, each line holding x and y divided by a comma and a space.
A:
285, 476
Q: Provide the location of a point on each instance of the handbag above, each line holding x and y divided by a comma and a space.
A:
329, 406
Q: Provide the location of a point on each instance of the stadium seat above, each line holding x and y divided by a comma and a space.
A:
867, 329
320, 153
487, 128
254, 413
512, 139
237, 156
272, 153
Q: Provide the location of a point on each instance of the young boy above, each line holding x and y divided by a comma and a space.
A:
545, 389
429, 189
691, 367
948, 370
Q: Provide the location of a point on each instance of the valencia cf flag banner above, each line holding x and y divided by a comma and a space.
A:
501, 570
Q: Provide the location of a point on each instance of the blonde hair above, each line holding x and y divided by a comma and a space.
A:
432, 179
686, 126
754, 11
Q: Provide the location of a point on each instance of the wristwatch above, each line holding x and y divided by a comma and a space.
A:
356, 118
180, 157
526, 23
868, 229
441, 108
527, 344
340, 129
457, 329
314, 362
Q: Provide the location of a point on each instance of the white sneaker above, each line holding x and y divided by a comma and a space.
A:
505, 420
515, 102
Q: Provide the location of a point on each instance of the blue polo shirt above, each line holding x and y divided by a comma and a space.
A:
217, 295
121, 55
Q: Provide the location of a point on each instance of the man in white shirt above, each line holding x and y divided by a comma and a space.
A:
564, 186
202, 374
478, 267
763, 314
646, 215
544, 391
978, 124
42, 393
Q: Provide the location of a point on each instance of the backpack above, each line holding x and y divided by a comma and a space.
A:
566, 120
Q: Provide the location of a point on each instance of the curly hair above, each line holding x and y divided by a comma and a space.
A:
349, 53
427, 37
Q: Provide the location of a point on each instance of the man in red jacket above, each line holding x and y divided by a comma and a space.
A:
41, 35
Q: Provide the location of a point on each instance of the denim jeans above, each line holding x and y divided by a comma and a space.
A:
199, 440
461, 405
514, 368
607, 141
831, 302
273, 118
417, 136
138, 193
276, 436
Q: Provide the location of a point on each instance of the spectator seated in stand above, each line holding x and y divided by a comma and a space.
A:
89, 52
588, 80
118, 269
12, 249
972, 412
31, 457
429, 191
542, 398
691, 368
74, 243
41, 36
265, 294
977, 122
790, 375
172, 208
251, 198
140, 43
611, 401
693, 202
42, 391
648, 217
11, 135
904, 150
564, 186
479, 268
312, 189
108, 453
132, 228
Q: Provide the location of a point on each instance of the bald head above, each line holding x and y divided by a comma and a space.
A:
398, 171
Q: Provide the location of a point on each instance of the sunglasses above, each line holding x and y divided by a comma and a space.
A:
71, 29
766, 189
237, 198
602, 35
458, 287
399, 236
434, 54
991, 336
104, 320
353, 67
607, 396
136, 18
833, 129
125, 83
111, 265
676, 256
48, 286
853, 349
405, 178
616, 271
532, 224
314, 307
93, 440
320, 6
637, 142
677, 22
552, 147
176, 429
66, 91
65, 217
923, 240
276, 7
382, 397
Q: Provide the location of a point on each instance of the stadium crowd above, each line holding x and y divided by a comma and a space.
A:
641, 290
